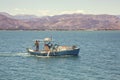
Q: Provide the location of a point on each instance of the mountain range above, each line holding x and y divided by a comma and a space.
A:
59, 22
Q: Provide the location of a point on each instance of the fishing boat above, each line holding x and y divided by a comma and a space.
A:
52, 49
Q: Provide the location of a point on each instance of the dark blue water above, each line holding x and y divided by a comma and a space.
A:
99, 58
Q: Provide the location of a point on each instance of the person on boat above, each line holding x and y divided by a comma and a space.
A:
46, 48
37, 45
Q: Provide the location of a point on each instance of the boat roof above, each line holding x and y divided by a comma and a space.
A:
44, 40
47, 39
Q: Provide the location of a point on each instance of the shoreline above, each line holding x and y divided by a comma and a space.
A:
59, 30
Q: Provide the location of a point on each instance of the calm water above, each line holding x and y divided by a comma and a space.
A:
99, 58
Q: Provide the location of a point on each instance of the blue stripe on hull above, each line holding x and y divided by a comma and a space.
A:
70, 52
74, 52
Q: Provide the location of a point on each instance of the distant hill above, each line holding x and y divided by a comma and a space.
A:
6, 14
20, 17
12, 24
118, 16
25, 17
61, 22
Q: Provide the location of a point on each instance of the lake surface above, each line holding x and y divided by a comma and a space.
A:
99, 57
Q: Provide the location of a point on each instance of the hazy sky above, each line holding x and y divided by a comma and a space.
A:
53, 7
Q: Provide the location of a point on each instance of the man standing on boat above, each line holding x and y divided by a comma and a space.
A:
37, 45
